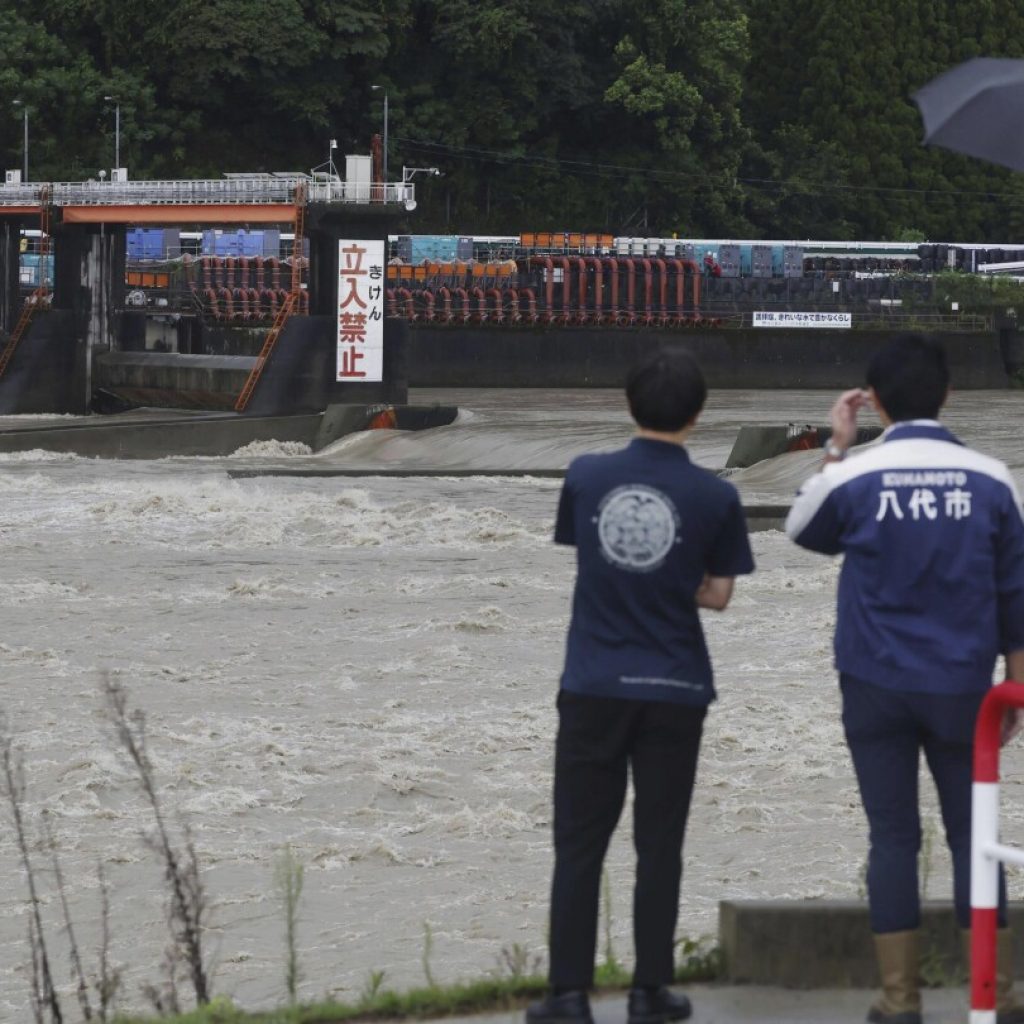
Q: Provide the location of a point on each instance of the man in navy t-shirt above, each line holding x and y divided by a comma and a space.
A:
656, 538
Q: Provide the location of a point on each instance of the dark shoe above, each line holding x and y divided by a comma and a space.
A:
657, 1005
565, 1008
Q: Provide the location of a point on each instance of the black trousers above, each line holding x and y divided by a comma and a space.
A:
599, 740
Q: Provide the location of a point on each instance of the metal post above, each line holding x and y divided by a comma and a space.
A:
25, 172
384, 162
117, 128
385, 139
986, 851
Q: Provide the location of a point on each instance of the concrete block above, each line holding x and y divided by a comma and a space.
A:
828, 943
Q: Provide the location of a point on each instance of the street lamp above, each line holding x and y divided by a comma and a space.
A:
117, 128
384, 90
408, 173
24, 107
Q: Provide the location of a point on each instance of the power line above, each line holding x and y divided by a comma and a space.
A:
604, 170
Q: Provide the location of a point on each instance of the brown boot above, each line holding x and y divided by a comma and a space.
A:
1008, 1010
900, 1002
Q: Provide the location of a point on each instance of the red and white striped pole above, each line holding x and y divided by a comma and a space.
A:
986, 852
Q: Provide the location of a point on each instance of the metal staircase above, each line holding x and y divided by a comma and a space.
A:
288, 307
39, 295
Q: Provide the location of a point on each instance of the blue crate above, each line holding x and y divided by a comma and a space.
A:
153, 244
135, 243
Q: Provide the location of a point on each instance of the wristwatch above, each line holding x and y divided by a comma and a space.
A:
833, 451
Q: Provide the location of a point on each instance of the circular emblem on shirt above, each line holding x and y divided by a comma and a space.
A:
637, 526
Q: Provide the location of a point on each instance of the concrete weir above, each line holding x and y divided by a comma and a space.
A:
155, 434
828, 944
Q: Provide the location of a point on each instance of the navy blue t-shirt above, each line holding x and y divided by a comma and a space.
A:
648, 525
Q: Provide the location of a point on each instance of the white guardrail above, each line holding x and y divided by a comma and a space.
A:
255, 190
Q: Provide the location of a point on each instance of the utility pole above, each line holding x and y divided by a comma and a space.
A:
24, 107
385, 161
117, 128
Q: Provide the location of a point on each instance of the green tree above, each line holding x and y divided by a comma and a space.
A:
836, 80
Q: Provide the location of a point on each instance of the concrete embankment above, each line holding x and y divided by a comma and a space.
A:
580, 357
828, 943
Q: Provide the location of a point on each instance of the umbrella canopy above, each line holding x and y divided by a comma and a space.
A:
977, 108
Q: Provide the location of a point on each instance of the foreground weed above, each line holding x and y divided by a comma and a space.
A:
288, 878
372, 986
516, 962
12, 786
187, 909
428, 953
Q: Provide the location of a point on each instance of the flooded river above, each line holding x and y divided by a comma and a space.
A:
365, 669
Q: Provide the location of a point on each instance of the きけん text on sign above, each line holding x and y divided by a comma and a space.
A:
360, 310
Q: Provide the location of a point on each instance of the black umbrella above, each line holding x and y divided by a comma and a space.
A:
977, 108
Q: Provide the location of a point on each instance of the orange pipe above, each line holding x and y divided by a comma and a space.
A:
595, 261
531, 303
404, 296
630, 286
613, 264
446, 304
549, 281
648, 288
512, 296
695, 275
662, 287
481, 305
677, 265
499, 313
566, 288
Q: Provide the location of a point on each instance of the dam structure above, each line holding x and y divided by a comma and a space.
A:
227, 298
78, 342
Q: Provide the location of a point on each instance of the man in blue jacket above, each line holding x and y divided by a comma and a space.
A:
656, 538
931, 593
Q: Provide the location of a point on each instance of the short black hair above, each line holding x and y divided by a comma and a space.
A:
665, 390
910, 377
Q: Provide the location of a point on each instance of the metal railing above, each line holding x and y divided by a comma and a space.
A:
986, 850
244, 189
21, 195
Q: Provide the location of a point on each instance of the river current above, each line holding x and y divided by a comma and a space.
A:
365, 669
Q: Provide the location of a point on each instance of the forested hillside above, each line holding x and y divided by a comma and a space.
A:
772, 118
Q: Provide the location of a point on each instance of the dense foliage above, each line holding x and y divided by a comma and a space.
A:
701, 117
